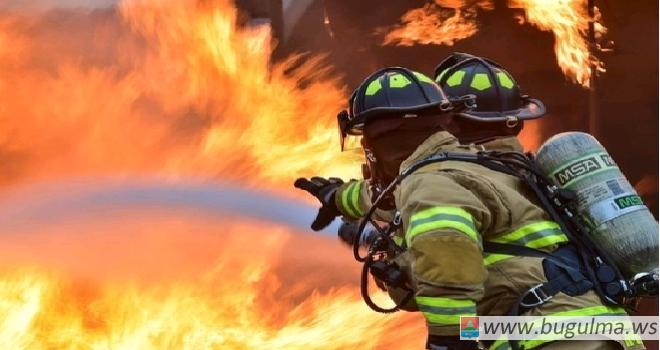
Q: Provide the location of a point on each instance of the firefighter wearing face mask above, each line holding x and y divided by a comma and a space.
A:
449, 209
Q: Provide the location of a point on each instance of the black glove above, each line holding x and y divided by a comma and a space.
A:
436, 342
324, 190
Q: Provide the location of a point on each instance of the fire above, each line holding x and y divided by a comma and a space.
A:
433, 25
175, 89
241, 298
529, 136
169, 87
568, 20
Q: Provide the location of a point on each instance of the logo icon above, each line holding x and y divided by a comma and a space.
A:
469, 327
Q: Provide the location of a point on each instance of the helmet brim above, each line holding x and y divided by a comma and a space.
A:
533, 109
356, 125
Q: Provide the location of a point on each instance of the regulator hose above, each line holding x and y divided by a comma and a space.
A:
364, 290
367, 218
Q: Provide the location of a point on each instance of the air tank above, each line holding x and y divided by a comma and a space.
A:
607, 204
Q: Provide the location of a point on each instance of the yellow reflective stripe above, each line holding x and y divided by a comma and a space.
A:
398, 240
547, 241
441, 217
530, 344
445, 320
600, 310
539, 243
440, 224
425, 214
536, 235
444, 302
633, 342
345, 201
355, 198
520, 234
445, 311
493, 258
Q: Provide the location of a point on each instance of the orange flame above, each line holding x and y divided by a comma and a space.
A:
433, 25
172, 88
568, 20
184, 92
183, 292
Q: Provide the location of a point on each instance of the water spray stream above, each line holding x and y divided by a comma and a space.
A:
158, 264
67, 198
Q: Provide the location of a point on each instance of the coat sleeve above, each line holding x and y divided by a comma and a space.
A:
353, 199
442, 222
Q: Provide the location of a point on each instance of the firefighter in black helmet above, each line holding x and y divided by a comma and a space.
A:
401, 108
450, 209
501, 107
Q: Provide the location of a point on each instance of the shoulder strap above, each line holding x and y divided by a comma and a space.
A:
516, 250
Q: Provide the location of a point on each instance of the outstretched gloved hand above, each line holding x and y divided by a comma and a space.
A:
324, 190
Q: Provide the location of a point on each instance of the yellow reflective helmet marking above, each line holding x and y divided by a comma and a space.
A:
505, 80
480, 81
395, 81
442, 74
399, 81
456, 78
373, 88
423, 77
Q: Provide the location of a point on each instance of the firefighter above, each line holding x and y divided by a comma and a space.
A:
448, 209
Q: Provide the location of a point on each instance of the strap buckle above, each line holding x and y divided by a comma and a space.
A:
538, 293
396, 221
